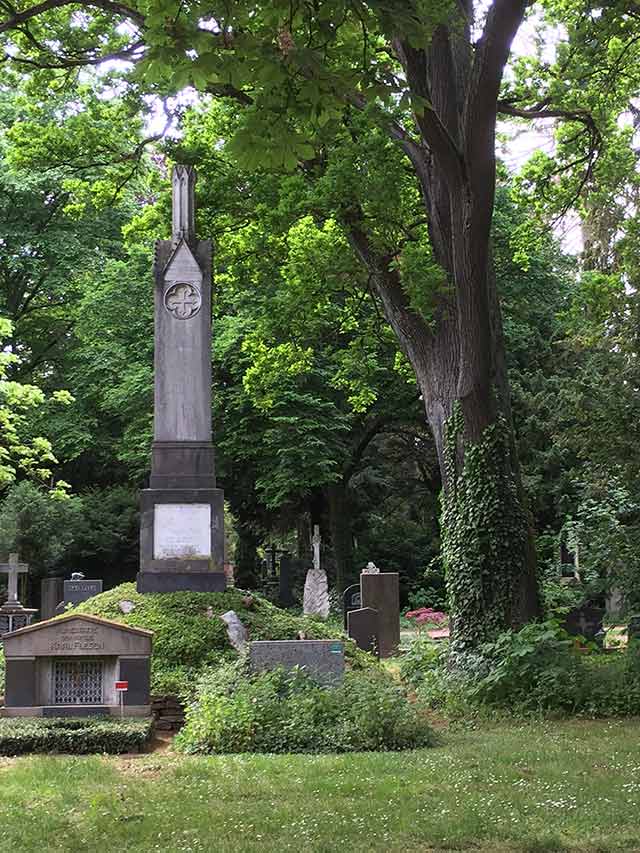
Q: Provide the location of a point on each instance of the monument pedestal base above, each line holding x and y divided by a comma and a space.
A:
181, 581
181, 540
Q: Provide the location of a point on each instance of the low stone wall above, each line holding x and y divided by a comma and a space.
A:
168, 713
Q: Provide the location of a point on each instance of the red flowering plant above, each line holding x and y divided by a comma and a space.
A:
428, 616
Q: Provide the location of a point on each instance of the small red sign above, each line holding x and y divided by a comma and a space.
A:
122, 685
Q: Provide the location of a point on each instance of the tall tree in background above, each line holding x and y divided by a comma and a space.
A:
313, 65
309, 73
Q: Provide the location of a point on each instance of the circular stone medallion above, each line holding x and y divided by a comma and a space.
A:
182, 300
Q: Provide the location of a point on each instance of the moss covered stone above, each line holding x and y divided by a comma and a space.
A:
189, 636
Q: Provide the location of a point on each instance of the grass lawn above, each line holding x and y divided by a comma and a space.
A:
571, 786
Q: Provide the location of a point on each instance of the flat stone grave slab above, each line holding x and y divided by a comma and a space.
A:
323, 660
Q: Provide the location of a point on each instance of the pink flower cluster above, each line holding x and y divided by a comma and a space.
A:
427, 614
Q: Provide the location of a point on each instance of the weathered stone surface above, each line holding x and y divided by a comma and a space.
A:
363, 628
71, 664
51, 594
182, 531
323, 660
381, 592
182, 513
316, 594
236, 632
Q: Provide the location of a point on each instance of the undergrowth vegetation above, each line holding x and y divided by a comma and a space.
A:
287, 712
539, 669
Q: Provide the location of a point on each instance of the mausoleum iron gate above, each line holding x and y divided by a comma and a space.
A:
78, 682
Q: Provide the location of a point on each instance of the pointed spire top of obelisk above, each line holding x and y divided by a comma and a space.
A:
183, 204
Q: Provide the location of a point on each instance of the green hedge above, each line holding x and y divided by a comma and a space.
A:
19, 735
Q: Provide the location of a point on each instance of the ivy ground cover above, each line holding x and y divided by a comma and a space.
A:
540, 786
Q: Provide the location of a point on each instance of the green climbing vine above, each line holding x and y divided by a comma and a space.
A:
484, 530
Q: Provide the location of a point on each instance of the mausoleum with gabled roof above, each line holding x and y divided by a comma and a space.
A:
69, 666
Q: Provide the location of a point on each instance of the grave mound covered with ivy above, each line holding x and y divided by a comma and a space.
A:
190, 637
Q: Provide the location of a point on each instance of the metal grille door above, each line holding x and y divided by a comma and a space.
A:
77, 682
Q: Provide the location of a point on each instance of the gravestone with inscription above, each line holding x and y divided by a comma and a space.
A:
77, 590
182, 511
69, 666
322, 660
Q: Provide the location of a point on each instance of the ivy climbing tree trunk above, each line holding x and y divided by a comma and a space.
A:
459, 357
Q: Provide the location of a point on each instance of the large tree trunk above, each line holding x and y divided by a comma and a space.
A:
340, 519
486, 534
458, 353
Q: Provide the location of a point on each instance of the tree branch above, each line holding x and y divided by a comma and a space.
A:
19, 18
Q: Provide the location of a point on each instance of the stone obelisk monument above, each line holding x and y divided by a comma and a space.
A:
182, 512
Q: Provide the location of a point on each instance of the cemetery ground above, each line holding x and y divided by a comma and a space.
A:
534, 786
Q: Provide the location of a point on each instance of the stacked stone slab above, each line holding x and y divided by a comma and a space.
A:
182, 511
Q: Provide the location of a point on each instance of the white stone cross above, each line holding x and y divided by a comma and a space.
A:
317, 539
13, 568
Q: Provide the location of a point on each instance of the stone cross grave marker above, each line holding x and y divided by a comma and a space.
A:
316, 541
12, 614
13, 568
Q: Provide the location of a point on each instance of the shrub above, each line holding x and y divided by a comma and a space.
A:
288, 712
419, 659
20, 735
427, 616
537, 669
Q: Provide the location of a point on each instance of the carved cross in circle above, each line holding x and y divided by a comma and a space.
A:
182, 300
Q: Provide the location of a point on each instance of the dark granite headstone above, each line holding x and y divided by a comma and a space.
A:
584, 621
285, 581
362, 626
51, 594
75, 592
322, 659
381, 592
351, 600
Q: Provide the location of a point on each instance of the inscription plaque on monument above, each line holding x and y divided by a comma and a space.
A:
182, 530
